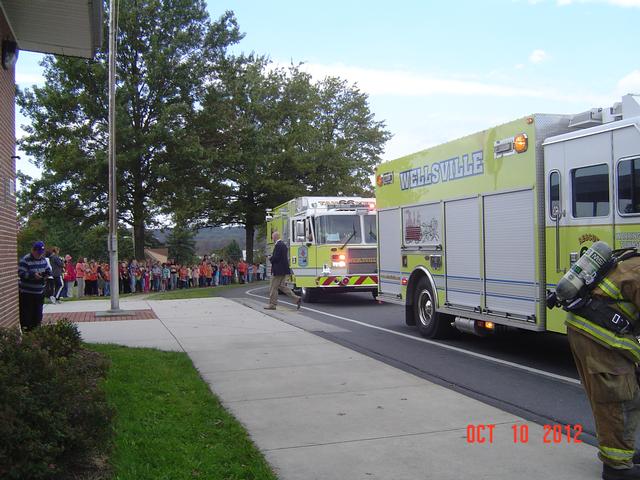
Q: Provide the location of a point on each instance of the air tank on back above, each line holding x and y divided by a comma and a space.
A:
583, 271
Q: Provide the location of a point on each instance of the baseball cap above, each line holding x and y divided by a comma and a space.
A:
38, 246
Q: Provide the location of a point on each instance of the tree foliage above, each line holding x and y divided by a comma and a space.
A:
203, 136
181, 243
167, 52
273, 134
232, 252
71, 238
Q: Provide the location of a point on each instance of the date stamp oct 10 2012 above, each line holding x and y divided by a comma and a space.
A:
551, 434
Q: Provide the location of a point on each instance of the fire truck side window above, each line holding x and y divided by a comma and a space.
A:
554, 193
590, 186
308, 229
629, 186
285, 231
370, 230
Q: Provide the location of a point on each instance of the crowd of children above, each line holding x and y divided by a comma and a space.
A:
91, 278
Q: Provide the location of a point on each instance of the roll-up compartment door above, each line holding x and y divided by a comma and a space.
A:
510, 257
462, 253
390, 237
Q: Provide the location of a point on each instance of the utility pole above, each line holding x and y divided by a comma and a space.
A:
113, 191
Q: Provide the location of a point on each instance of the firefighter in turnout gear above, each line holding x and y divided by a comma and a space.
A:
607, 357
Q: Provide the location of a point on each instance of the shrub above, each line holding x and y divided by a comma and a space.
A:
54, 418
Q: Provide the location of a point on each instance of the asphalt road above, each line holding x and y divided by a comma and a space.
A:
529, 374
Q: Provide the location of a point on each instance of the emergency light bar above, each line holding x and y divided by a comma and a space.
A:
345, 205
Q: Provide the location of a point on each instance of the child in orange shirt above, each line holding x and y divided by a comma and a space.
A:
183, 277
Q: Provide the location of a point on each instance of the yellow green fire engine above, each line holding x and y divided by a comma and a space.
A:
473, 232
332, 244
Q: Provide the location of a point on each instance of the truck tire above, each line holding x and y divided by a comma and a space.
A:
431, 324
309, 295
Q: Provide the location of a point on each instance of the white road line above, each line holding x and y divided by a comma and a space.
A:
535, 371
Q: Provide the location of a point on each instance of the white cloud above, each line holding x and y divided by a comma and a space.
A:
407, 83
630, 83
538, 56
403, 83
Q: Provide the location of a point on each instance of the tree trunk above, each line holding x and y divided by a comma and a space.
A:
138, 235
138, 211
249, 230
138, 230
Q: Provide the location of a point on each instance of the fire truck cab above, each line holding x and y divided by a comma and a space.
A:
332, 244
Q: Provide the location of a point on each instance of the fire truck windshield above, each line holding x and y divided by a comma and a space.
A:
338, 229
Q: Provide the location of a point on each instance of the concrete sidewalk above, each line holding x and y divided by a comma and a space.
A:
318, 410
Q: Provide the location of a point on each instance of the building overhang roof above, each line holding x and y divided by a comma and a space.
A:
61, 27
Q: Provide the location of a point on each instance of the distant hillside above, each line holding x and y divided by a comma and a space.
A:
209, 239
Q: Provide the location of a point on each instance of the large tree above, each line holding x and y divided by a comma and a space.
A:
273, 133
167, 52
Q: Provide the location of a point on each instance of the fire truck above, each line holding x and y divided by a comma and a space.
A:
473, 232
332, 244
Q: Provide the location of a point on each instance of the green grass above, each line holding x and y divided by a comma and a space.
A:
180, 294
168, 423
204, 292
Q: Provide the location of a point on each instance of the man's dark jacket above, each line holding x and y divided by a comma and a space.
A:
280, 260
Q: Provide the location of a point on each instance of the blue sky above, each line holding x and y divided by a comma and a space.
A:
435, 71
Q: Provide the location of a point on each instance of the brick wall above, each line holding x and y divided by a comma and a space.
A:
8, 224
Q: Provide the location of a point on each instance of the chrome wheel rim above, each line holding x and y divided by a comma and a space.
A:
425, 308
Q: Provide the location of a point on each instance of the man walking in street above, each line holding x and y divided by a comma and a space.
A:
279, 271
32, 272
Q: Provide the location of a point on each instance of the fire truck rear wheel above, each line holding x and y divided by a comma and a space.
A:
431, 324
308, 295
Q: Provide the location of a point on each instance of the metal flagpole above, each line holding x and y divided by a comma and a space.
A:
113, 193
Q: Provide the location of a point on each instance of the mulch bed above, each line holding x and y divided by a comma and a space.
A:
77, 317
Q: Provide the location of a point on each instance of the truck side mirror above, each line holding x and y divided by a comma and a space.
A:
300, 230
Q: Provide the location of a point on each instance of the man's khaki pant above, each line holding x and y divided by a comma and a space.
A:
609, 380
277, 283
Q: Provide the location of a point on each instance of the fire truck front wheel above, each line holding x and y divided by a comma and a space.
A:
431, 324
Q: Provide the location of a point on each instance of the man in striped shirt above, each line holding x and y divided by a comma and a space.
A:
32, 271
